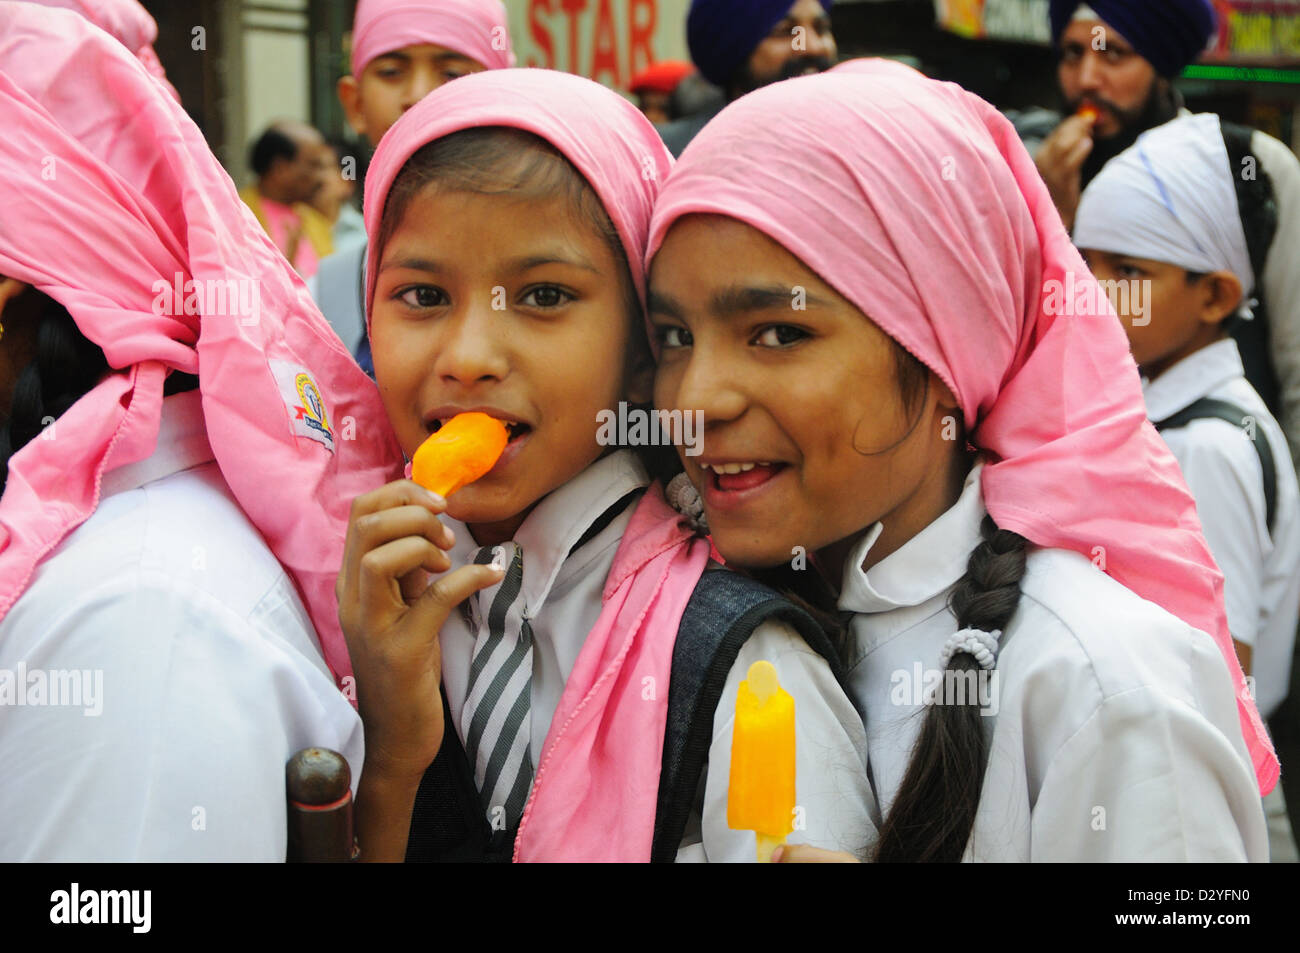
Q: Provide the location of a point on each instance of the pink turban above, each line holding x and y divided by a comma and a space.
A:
127, 22
111, 188
606, 138
916, 201
475, 29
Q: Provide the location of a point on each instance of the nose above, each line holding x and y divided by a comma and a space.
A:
424, 79
1090, 72
470, 347
820, 44
707, 387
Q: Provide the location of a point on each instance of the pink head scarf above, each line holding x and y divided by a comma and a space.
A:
476, 29
112, 189
606, 138
127, 22
917, 202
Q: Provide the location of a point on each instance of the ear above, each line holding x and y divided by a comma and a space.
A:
945, 399
350, 99
10, 288
1221, 294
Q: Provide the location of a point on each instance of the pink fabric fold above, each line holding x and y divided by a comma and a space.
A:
917, 202
596, 788
476, 29
114, 201
128, 22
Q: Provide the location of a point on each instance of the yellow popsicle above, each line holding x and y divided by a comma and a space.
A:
761, 795
466, 448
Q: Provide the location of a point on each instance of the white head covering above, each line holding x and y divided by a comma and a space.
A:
1170, 197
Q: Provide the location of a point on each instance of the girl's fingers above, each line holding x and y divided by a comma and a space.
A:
398, 494
379, 575
449, 591
803, 854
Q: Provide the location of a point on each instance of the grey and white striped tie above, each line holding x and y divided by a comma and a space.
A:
498, 699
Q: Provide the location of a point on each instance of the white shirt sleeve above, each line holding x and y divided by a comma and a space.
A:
200, 710
1149, 777
1281, 280
1222, 470
834, 800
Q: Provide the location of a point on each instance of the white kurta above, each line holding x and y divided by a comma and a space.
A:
1115, 735
1261, 570
210, 671
563, 595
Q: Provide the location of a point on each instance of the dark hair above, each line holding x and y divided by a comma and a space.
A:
270, 145
65, 367
934, 811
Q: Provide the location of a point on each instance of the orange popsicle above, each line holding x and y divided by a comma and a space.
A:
466, 448
1089, 111
761, 794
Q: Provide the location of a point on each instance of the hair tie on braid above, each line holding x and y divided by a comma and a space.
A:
975, 642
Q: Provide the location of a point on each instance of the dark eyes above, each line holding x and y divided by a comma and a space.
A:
773, 336
542, 297
670, 336
780, 335
547, 296
423, 296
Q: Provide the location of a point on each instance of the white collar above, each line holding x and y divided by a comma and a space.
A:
550, 531
1197, 375
923, 567
182, 444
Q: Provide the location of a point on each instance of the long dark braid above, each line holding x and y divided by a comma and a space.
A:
934, 812
65, 367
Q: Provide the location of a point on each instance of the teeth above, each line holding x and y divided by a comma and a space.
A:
732, 467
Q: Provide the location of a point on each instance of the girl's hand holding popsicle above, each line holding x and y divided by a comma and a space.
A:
391, 615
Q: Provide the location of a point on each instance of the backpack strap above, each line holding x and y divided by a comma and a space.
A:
1209, 409
724, 611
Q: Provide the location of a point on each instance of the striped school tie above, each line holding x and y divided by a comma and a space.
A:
498, 700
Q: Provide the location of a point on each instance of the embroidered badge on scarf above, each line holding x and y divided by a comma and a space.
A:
307, 414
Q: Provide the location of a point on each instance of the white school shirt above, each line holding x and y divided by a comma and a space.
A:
1261, 572
1116, 734
563, 599
211, 675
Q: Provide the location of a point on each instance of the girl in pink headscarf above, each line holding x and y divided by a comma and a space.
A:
906, 370
181, 436
576, 703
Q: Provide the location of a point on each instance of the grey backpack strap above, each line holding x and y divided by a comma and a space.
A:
1209, 409
724, 611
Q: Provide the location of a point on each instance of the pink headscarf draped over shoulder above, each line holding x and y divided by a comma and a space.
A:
111, 192
473, 28
605, 736
917, 202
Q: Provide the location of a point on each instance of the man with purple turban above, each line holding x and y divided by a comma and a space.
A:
740, 45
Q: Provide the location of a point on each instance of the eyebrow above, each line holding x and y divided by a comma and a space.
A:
514, 266
405, 58
414, 264
731, 302
734, 301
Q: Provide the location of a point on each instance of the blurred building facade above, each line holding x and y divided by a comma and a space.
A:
240, 63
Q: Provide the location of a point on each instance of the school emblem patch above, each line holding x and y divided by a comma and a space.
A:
308, 416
